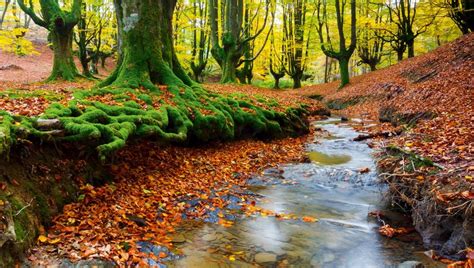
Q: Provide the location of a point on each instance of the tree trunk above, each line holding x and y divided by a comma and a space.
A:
411, 48
148, 55
373, 66
277, 83
84, 64
344, 71
399, 55
297, 79
63, 63
228, 69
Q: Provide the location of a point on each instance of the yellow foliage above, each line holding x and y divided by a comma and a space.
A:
13, 41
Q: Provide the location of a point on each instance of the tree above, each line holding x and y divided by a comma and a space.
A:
344, 53
60, 24
462, 13
93, 36
296, 49
200, 45
276, 62
233, 42
403, 13
4, 12
370, 44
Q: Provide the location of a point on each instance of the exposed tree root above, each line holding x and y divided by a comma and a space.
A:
172, 115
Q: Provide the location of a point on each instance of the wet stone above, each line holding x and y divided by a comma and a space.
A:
178, 238
209, 237
265, 258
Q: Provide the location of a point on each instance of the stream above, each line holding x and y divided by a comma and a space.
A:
330, 188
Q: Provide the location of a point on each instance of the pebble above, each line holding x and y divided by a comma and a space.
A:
209, 237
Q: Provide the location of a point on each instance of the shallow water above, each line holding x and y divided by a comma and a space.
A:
335, 192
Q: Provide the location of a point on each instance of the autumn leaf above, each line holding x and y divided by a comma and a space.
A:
309, 219
42, 239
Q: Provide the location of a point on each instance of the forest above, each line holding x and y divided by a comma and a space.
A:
236, 133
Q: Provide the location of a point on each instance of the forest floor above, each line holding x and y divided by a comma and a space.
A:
422, 107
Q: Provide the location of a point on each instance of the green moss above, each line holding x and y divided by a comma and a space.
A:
196, 116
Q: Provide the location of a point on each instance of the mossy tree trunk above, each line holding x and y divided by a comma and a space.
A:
60, 24
148, 55
63, 62
344, 70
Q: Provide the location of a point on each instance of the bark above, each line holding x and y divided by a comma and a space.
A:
400, 55
296, 81
373, 66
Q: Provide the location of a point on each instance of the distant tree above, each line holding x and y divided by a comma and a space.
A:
229, 47
276, 61
370, 44
6, 3
200, 41
60, 24
295, 39
95, 35
403, 13
344, 52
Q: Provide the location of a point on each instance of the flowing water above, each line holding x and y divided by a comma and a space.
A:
332, 189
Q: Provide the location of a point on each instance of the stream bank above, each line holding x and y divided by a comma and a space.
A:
36, 182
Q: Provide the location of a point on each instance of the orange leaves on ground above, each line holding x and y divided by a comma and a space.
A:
27, 106
388, 231
146, 200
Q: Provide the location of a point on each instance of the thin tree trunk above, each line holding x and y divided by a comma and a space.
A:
399, 55
411, 48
